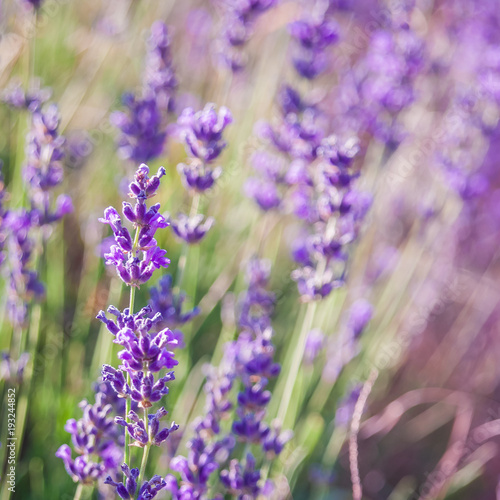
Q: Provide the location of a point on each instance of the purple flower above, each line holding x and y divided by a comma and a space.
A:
197, 176
32, 99
202, 131
313, 36
142, 134
11, 370
191, 229
169, 305
125, 255
92, 435
137, 430
314, 344
239, 17
160, 81
242, 481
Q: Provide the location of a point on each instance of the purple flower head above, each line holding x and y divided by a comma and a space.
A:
250, 427
360, 314
191, 229
10, 370
94, 434
34, 4
143, 351
242, 481
264, 192
160, 81
313, 36
125, 255
32, 100
195, 471
24, 283
142, 133
276, 440
314, 344
345, 409
44, 153
127, 490
81, 469
239, 17
290, 101
137, 429
197, 176
169, 305
314, 284
202, 131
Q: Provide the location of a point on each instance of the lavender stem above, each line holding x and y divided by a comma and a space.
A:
291, 376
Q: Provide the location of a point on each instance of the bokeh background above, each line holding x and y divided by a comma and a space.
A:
426, 256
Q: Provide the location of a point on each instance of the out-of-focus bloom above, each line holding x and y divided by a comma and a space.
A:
315, 342
160, 81
13, 370
191, 229
142, 135
143, 125
169, 305
202, 131
342, 348
313, 36
239, 17
96, 440
32, 99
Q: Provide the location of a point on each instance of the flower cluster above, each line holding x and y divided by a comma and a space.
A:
170, 304
127, 491
238, 18
143, 125
95, 439
202, 133
136, 259
312, 172
247, 362
12, 370
313, 35
32, 99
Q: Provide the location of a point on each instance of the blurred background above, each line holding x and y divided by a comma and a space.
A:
418, 84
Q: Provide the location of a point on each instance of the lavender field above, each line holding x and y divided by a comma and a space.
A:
249, 249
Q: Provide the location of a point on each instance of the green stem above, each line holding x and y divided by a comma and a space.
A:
146, 449
128, 402
291, 377
78, 492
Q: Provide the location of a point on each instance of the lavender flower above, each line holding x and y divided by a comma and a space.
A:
94, 435
32, 99
239, 17
160, 81
13, 370
314, 344
202, 131
147, 491
125, 254
143, 125
169, 305
313, 37
24, 282
191, 229
248, 362
142, 134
